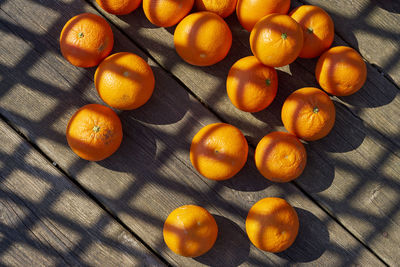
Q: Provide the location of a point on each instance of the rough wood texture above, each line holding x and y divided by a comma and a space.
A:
347, 171
151, 174
47, 221
370, 26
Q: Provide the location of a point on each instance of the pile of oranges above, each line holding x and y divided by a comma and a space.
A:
219, 151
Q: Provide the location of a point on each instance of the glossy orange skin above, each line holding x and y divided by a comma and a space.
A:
318, 29
308, 113
190, 231
124, 81
272, 224
222, 8
94, 132
86, 40
280, 157
219, 151
119, 7
249, 12
166, 13
202, 39
276, 40
251, 86
341, 71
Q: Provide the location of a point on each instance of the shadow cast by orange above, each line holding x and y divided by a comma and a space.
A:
232, 245
312, 240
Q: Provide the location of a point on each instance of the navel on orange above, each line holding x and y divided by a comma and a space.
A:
276, 40
166, 13
272, 224
94, 132
124, 81
280, 157
341, 71
190, 231
202, 39
249, 12
222, 8
318, 29
308, 113
219, 151
86, 40
119, 7
251, 86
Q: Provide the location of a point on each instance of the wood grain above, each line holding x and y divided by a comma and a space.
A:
361, 154
47, 221
371, 27
150, 174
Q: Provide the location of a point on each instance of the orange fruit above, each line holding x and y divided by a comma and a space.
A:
219, 151
119, 7
94, 132
280, 157
318, 29
251, 86
272, 224
166, 13
341, 71
308, 113
124, 81
190, 231
86, 40
202, 39
222, 8
276, 40
249, 12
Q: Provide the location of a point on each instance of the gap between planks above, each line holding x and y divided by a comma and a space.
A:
84, 190
375, 66
175, 79
330, 214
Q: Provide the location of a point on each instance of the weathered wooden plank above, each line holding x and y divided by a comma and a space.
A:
151, 173
361, 153
47, 221
377, 92
370, 26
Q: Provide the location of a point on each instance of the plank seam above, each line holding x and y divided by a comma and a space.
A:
222, 120
195, 96
84, 190
338, 222
373, 65
28, 228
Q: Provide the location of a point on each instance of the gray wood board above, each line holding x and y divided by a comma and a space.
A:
371, 27
151, 174
47, 221
358, 161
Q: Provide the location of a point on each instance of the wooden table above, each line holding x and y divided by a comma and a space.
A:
57, 210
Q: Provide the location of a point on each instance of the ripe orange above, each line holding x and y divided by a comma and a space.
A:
190, 231
124, 81
86, 40
219, 151
202, 39
94, 132
272, 224
341, 71
166, 13
308, 113
249, 12
318, 29
276, 40
222, 8
251, 86
119, 7
280, 157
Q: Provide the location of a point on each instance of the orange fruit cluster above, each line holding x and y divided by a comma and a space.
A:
219, 151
